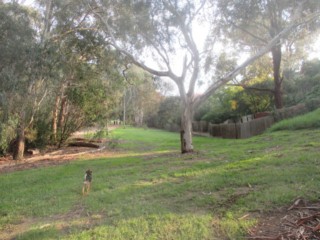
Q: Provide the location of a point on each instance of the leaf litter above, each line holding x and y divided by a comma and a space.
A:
300, 221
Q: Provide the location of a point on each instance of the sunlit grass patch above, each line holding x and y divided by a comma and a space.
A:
40, 234
307, 121
232, 227
157, 227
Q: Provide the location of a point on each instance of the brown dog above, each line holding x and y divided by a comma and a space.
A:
87, 182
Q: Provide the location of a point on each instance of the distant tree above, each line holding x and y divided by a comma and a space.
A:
141, 96
168, 114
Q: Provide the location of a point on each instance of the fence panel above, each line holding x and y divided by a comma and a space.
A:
247, 126
215, 130
244, 130
195, 126
241, 130
229, 130
203, 126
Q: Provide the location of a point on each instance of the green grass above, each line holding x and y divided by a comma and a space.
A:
307, 121
148, 190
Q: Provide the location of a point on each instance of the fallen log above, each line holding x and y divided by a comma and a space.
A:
79, 139
95, 141
33, 151
83, 144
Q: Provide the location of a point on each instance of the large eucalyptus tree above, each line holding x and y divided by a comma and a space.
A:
162, 32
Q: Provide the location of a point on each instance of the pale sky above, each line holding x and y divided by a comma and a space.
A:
316, 50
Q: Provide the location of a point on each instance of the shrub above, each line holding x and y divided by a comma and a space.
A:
102, 133
7, 134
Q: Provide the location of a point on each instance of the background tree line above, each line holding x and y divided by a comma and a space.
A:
57, 75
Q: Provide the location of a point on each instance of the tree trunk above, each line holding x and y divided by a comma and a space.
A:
63, 111
276, 57
48, 20
124, 109
18, 151
55, 119
186, 129
138, 117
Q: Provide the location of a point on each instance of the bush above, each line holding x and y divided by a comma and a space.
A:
313, 103
7, 134
102, 133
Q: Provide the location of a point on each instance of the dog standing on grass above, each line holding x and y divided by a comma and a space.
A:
87, 182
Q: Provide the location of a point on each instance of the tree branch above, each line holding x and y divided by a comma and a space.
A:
197, 11
36, 107
187, 34
251, 88
284, 33
248, 32
113, 43
164, 56
56, 37
124, 74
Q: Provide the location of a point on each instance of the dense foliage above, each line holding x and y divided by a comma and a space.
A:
301, 86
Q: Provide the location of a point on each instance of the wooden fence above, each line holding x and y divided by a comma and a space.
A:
241, 130
247, 125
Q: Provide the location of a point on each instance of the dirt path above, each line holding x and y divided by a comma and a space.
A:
56, 156
61, 156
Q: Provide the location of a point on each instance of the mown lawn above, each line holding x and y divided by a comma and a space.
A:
148, 190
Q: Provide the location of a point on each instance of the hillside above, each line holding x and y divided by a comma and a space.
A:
146, 189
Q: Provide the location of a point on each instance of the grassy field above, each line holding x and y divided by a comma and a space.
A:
306, 121
147, 190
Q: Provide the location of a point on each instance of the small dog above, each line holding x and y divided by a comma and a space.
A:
87, 182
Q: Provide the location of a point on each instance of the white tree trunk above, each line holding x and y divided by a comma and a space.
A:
124, 109
55, 114
138, 117
18, 151
186, 129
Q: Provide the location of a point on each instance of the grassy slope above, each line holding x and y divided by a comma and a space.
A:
149, 191
306, 121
